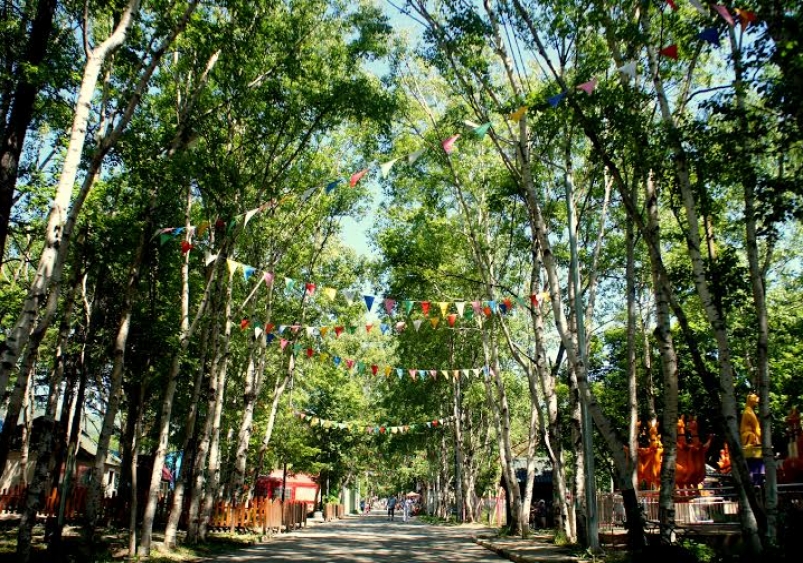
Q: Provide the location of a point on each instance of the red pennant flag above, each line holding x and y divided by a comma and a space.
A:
487, 311
368, 327
310, 288
374, 369
338, 331
669, 52
357, 176
672, 4
746, 17
435, 423
350, 363
425, 308
244, 324
508, 303
269, 328
451, 318
310, 352
382, 429
185, 247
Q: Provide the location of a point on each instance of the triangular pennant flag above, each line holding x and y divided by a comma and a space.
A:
417, 324
202, 228
178, 230
388, 369
163, 238
310, 352
448, 144
336, 360
425, 308
445, 373
269, 327
369, 301
557, 99
422, 374
628, 69
534, 299
434, 321
389, 304
711, 35
518, 114
487, 310
503, 308
283, 343
508, 303
186, 247
385, 168
357, 176
330, 293
310, 330
444, 306
477, 306
368, 327
349, 363
295, 328
408, 306
270, 337
412, 157
384, 328
244, 324
460, 305
210, 258
332, 185
249, 215
324, 330
699, 7
672, 4
232, 265
670, 52
309, 288
289, 284
400, 326
433, 373
588, 87
360, 366
399, 373
349, 295
452, 318
282, 328
352, 329
248, 271
374, 368
723, 11
257, 332
338, 331
268, 277
746, 17
412, 372
482, 130
429, 425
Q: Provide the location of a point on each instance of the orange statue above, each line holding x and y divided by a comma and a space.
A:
724, 462
682, 466
750, 430
649, 459
697, 451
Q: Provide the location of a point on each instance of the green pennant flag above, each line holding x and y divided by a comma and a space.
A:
352, 329
360, 367
296, 348
164, 238
469, 313
482, 130
232, 224
408, 306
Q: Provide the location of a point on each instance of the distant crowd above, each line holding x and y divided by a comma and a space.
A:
407, 506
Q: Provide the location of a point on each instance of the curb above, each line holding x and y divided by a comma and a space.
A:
513, 556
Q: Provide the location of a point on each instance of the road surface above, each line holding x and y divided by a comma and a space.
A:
369, 539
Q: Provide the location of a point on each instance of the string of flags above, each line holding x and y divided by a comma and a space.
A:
366, 428
358, 366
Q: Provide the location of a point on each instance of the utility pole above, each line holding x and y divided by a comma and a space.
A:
592, 527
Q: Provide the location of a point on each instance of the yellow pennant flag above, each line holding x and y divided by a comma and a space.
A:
232, 264
444, 305
324, 330
388, 369
518, 114
202, 228
434, 321
445, 373
330, 292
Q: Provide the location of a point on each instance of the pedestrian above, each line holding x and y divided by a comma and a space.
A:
406, 503
391, 508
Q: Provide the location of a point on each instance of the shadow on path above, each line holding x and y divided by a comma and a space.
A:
365, 539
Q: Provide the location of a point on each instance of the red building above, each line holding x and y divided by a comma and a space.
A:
300, 487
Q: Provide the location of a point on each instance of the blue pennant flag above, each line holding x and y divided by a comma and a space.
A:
332, 185
711, 35
248, 271
492, 305
503, 308
178, 230
336, 360
271, 337
384, 328
555, 100
422, 373
369, 301
400, 372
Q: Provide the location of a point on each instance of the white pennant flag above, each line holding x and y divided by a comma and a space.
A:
445, 373
257, 332
629, 69
210, 258
310, 331
250, 214
349, 295
467, 372
417, 324
699, 7
412, 157
385, 168
477, 372
461, 305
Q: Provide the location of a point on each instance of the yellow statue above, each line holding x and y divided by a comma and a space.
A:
750, 430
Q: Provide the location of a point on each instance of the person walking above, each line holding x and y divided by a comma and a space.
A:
406, 507
391, 508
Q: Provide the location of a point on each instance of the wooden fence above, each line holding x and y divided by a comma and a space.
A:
258, 515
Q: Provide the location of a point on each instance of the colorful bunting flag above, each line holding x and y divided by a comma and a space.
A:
724, 13
309, 288
357, 176
672, 4
518, 114
369, 301
330, 293
232, 265
434, 321
248, 216
248, 271
711, 35
332, 185
412, 157
557, 99
417, 324
451, 318
461, 306
670, 52
588, 87
746, 17
448, 144
408, 306
444, 306
349, 295
385, 168
480, 131
210, 258
628, 69
425, 308
186, 247
389, 304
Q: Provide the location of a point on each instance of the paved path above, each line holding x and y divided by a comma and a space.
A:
369, 539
